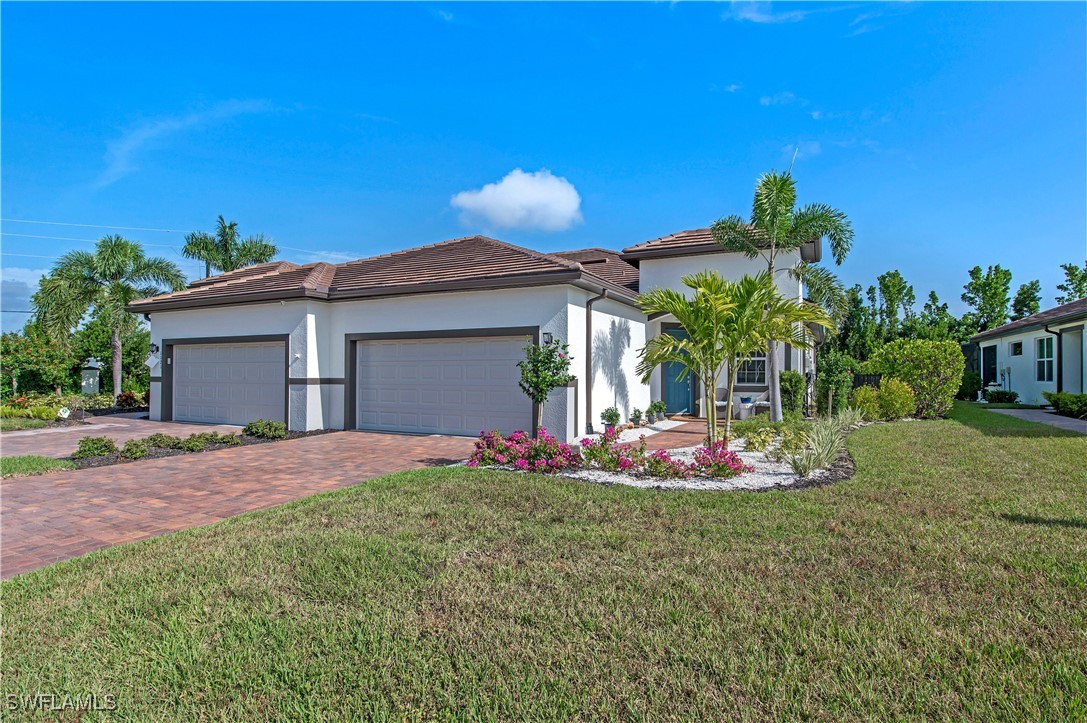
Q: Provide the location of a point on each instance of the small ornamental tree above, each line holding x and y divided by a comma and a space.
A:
933, 369
545, 367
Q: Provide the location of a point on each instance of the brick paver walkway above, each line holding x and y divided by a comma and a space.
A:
57, 516
690, 434
62, 441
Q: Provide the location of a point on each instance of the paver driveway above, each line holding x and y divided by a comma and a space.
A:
57, 516
62, 441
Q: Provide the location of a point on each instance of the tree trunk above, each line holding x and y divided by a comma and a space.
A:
115, 343
14, 383
774, 382
207, 269
728, 403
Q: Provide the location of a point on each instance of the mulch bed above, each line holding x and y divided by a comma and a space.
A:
162, 452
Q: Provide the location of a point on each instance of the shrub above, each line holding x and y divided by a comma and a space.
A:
610, 417
970, 385
824, 444
794, 388
791, 442
36, 412
127, 400
135, 449
759, 440
193, 443
849, 418
866, 401
94, 447
896, 399
163, 441
833, 381
542, 454
1001, 396
265, 429
1068, 404
932, 369
716, 460
606, 453
661, 464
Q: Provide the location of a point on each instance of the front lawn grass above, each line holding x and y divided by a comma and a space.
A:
947, 580
31, 464
14, 424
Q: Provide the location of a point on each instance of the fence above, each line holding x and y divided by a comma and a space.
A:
866, 380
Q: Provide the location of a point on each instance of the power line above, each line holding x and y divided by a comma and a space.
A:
81, 240
93, 225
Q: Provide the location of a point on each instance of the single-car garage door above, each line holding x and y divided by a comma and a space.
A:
442, 386
229, 383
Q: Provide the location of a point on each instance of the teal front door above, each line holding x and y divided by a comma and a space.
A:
678, 394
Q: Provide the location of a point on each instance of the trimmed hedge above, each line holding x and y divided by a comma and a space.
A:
1067, 404
266, 429
94, 447
896, 399
1001, 396
932, 369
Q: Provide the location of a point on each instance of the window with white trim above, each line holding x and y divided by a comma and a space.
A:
752, 371
1045, 359
1015, 348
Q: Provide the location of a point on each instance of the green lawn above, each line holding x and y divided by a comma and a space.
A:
948, 580
31, 464
14, 424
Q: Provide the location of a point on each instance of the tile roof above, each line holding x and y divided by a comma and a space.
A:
605, 264
473, 262
1064, 312
692, 241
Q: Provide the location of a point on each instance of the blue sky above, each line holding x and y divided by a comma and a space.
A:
951, 134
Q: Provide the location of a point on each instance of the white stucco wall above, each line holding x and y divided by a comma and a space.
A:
1020, 372
618, 336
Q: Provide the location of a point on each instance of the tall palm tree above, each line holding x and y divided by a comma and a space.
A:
777, 227
107, 280
225, 251
704, 316
761, 314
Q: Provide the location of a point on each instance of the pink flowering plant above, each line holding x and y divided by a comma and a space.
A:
715, 460
661, 464
519, 450
607, 454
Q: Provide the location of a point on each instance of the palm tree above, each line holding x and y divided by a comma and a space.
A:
704, 316
225, 251
761, 314
776, 227
107, 280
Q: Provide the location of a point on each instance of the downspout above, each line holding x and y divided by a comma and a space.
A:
589, 359
1060, 356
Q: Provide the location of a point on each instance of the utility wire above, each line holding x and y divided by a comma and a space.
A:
81, 240
92, 225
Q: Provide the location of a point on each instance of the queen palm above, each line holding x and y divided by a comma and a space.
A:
103, 282
778, 227
225, 251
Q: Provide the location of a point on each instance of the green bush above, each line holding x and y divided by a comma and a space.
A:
1068, 404
759, 440
164, 441
1001, 396
932, 369
794, 387
970, 386
94, 447
266, 429
866, 399
128, 400
610, 417
135, 449
896, 399
194, 443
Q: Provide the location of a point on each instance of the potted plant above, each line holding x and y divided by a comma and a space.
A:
636, 416
662, 408
610, 418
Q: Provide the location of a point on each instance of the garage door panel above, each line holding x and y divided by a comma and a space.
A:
229, 383
447, 386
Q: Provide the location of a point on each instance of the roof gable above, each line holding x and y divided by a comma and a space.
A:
1064, 312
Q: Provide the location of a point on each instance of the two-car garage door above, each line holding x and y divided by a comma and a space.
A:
229, 383
441, 386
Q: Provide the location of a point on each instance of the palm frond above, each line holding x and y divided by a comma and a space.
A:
818, 220
736, 234
823, 287
772, 208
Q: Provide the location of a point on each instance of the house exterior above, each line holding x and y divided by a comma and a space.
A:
424, 340
1044, 352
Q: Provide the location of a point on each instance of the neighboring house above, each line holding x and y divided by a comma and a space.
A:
1043, 352
424, 340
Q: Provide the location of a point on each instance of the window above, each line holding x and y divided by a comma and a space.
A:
752, 371
1045, 359
1015, 348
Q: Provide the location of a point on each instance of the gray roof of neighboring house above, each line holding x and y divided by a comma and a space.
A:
1056, 315
469, 263
698, 241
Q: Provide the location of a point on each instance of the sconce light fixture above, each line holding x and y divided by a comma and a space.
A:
154, 348
548, 337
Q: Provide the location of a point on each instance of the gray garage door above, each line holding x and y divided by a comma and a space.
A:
229, 383
442, 386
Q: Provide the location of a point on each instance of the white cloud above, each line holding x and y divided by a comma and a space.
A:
537, 200
445, 15
761, 12
121, 154
802, 149
730, 88
785, 97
